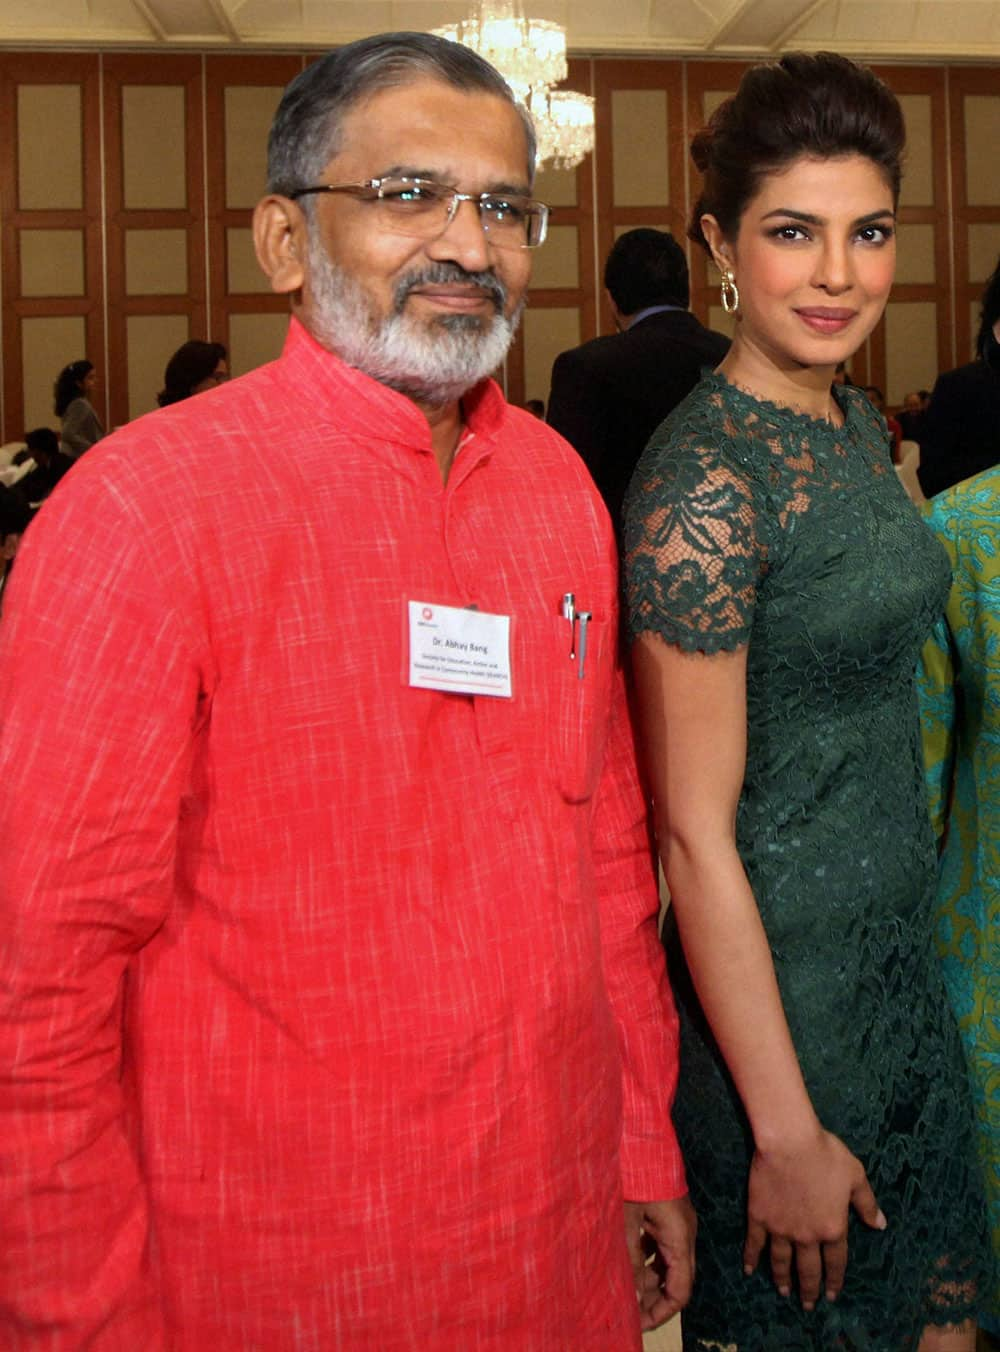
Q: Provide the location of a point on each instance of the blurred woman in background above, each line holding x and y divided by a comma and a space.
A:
80, 426
196, 366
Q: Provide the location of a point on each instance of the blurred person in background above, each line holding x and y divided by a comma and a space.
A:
610, 394
960, 429
81, 427
960, 706
51, 464
195, 367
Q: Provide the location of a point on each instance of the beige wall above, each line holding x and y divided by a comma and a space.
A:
125, 236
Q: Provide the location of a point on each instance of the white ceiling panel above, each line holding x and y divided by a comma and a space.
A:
903, 30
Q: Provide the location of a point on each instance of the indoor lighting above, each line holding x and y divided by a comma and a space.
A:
531, 56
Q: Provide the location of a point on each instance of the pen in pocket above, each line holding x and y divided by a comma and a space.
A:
584, 616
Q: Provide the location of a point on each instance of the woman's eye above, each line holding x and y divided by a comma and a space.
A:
789, 232
876, 234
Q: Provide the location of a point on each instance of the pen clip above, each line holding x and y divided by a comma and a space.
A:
569, 613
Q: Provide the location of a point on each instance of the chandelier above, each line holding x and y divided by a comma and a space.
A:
531, 56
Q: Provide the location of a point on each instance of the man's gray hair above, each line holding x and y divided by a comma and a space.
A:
308, 126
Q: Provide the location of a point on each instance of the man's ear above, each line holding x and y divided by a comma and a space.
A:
279, 238
722, 254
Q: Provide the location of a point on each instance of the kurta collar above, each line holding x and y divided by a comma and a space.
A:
354, 401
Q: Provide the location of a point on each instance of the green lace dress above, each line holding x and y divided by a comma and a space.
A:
747, 523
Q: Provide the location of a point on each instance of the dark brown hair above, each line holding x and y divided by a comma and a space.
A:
819, 104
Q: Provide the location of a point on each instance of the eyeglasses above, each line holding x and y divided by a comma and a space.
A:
423, 209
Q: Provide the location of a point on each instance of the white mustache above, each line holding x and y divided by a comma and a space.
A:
443, 273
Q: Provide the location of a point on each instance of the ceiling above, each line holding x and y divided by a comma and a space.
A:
905, 30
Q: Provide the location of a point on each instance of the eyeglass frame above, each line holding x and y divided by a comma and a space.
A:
374, 186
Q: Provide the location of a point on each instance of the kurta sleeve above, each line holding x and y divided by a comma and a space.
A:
99, 690
652, 1167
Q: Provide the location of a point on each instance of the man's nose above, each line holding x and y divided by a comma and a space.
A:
464, 239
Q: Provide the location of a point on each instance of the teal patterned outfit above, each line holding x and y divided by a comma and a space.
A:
748, 523
960, 705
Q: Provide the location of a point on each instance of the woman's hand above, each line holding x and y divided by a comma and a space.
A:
800, 1196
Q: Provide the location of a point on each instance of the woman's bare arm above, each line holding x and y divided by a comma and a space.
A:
803, 1180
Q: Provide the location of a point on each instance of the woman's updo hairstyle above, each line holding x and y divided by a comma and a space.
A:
821, 105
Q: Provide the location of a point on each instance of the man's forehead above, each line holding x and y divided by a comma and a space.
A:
427, 128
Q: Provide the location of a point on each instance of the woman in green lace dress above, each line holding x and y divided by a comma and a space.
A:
780, 587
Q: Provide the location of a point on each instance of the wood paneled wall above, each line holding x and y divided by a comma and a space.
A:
127, 181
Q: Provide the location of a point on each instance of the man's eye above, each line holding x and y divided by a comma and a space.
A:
503, 209
411, 194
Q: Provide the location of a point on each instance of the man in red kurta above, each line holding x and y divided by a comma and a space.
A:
332, 1012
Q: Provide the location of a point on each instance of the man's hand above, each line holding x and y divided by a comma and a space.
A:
666, 1230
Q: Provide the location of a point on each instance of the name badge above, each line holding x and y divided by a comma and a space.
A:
465, 651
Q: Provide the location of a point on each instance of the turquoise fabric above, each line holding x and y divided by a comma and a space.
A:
751, 524
960, 705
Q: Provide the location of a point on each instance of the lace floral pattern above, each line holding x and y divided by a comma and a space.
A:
750, 524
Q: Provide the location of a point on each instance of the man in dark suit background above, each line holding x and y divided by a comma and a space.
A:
960, 431
609, 395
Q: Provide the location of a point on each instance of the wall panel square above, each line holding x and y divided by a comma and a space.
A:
249, 111
556, 187
546, 333
557, 262
151, 341
639, 130
47, 345
244, 275
156, 262
915, 254
918, 173
49, 147
254, 340
51, 262
911, 348
984, 250
153, 147
982, 137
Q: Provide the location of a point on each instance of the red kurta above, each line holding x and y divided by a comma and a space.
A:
320, 994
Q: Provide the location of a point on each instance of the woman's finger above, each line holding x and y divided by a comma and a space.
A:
834, 1266
809, 1266
781, 1264
754, 1246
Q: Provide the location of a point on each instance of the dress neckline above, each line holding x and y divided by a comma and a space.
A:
785, 413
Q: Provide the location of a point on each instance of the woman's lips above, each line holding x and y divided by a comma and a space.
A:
826, 320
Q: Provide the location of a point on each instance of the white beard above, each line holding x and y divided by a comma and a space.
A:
434, 363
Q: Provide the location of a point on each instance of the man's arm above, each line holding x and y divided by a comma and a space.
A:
97, 692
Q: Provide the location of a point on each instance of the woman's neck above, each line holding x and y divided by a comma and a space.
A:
805, 389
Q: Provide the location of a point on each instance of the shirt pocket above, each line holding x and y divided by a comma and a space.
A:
577, 704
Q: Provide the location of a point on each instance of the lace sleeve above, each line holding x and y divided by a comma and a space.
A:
692, 557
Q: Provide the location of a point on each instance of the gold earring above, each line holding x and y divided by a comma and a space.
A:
730, 292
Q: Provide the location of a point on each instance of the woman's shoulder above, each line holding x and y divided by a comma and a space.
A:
705, 428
